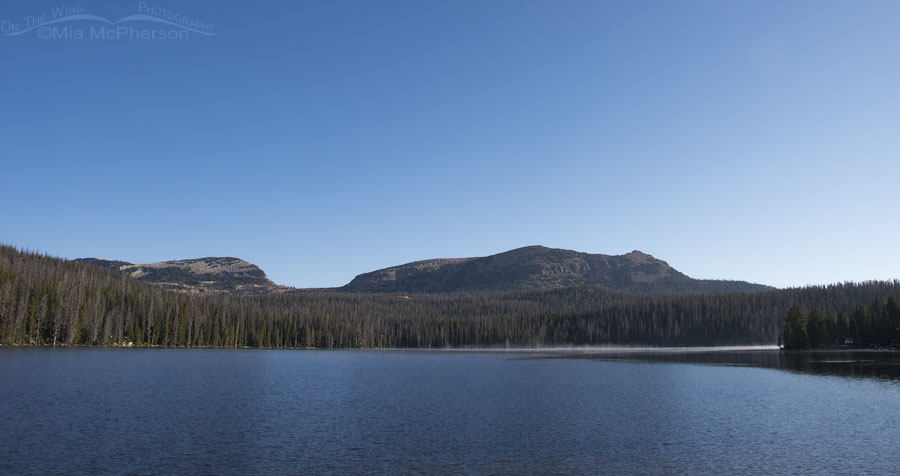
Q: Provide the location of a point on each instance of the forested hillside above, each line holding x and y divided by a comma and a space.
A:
49, 301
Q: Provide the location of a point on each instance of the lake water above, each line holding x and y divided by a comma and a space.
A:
159, 411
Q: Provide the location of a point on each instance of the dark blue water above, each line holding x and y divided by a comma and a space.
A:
107, 411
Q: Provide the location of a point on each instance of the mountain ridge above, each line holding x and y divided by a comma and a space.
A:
527, 268
539, 267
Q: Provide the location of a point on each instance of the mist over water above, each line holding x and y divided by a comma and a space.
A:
606, 349
152, 411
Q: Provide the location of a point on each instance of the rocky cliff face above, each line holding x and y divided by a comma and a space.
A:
210, 275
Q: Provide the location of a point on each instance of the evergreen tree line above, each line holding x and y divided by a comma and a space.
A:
50, 301
876, 324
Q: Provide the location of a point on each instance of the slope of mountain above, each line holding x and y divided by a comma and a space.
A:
538, 267
214, 275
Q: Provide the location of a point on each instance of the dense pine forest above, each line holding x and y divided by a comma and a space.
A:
876, 324
50, 301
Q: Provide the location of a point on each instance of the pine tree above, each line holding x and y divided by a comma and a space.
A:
795, 335
815, 329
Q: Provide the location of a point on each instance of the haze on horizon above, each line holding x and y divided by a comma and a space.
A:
744, 140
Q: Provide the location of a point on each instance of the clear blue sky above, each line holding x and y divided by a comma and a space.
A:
753, 140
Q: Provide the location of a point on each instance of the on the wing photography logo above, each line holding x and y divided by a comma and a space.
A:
75, 22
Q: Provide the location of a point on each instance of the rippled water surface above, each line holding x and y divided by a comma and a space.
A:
155, 411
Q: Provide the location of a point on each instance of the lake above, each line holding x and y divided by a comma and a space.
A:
191, 411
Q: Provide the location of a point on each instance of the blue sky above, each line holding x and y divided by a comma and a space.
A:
753, 140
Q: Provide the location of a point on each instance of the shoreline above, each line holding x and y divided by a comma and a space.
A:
568, 350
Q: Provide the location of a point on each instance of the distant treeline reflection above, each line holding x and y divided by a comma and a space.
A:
50, 301
845, 363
